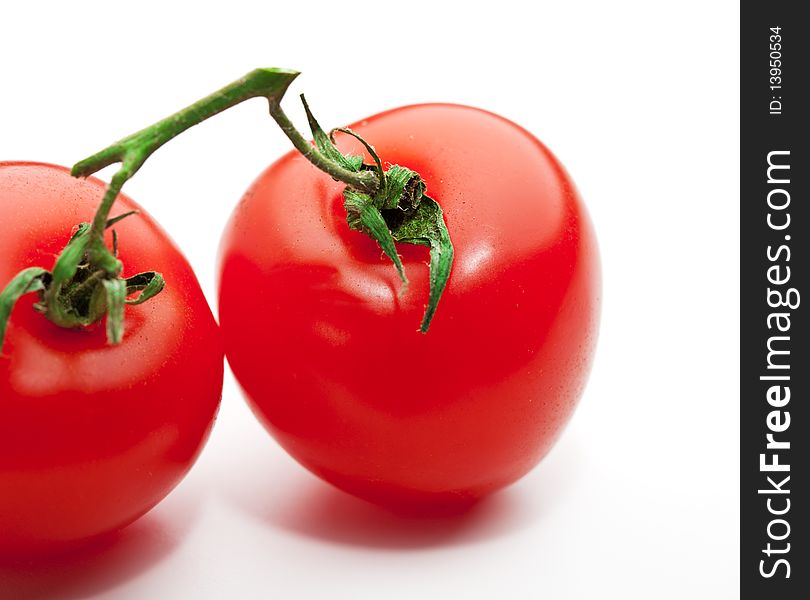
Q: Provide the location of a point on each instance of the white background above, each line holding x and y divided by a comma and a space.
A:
640, 100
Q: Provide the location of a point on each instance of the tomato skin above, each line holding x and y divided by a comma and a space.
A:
91, 435
328, 352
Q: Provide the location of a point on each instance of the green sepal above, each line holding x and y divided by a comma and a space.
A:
362, 215
25, 282
425, 226
96, 305
369, 148
64, 271
325, 145
149, 284
402, 188
116, 299
71, 256
114, 220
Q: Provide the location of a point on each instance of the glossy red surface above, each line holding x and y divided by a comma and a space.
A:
328, 351
92, 435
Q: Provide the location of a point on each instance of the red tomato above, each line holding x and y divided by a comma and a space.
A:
91, 435
328, 352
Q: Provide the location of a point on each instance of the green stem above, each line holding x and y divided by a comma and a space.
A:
133, 150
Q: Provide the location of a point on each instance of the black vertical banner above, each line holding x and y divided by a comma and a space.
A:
775, 329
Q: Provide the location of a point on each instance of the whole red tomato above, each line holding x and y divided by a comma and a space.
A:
93, 435
329, 352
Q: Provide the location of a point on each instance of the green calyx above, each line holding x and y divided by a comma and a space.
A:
399, 211
84, 286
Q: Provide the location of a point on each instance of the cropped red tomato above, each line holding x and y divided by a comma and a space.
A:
92, 435
329, 353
